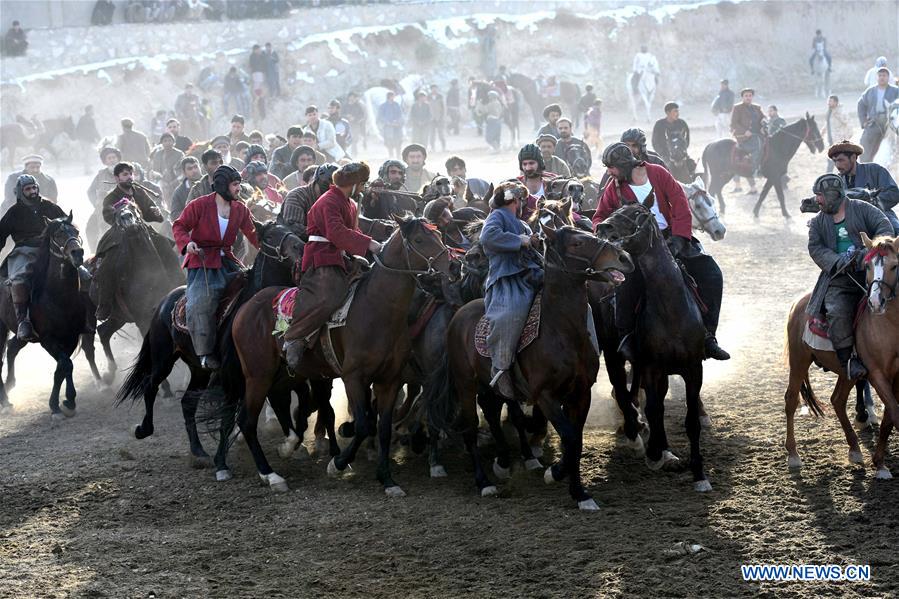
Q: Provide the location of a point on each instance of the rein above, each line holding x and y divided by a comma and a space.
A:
881, 285
278, 255
407, 248
704, 221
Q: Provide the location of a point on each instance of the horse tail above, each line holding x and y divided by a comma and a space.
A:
808, 396
438, 396
220, 402
136, 383
705, 168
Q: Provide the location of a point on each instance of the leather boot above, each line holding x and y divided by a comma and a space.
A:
713, 350
293, 353
852, 364
626, 347
21, 296
210, 362
502, 383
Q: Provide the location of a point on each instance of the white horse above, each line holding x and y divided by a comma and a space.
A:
821, 73
887, 154
646, 91
373, 97
702, 209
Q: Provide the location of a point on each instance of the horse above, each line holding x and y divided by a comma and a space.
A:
645, 92
682, 167
164, 344
702, 210
669, 311
382, 203
718, 160
12, 137
377, 314
439, 186
50, 130
887, 154
558, 368
569, 96
592, 193
146, 275
57, 312
821, 73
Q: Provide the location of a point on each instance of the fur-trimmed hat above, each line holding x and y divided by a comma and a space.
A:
351, 174
255, 149
551, 108
109, 150
412, 148
220, 140
506, 192
844, 147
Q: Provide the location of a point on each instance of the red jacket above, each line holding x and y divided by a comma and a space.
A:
199, 223
333, 216
669, 197
531, 205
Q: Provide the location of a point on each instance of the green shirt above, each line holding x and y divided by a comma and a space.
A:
843, 240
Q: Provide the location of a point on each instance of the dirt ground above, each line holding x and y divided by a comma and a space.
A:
87, 510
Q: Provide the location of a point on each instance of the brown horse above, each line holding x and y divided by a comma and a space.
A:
372, 349
875, 337
481, 203
559, 367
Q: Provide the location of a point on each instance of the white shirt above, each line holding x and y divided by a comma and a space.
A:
642, 192
223, 226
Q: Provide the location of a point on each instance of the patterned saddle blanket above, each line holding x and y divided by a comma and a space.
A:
528, 334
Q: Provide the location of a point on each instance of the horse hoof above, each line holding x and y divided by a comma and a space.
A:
533, 464
500, 472
142, 433
548, 477
56, 417
394, 491
275, 482
705, 421
223, 475
286, 449
6, 408
637, 445
333, 470
587, 505
794, 462
347, 430
855, 457
536, 451
321, 447
66, 410
702, 486
438, 471
883, 474
200, 462
489, 491
667, 459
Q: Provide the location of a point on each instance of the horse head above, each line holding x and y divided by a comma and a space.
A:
63, 241
441, 184
126, 216
278, 242
881, 271
702, 209
893, 116
812, 138
377, 228
551, 214
633, 227
419, 244
579, 253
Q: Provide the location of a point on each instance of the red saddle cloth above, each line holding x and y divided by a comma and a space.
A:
528, 334
741, 160
818, 324
226, 304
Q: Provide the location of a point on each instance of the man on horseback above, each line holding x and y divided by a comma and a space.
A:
205, 232
746, 123
258, 175
25, 222
31, 165
634, 180
635, 140
666, 130
534, 176
834, 243
211, 159
868, 176
819, 44
299, 201
328, 266
644, 62
775, 122
553, 163
393, 174
438, 212
873, 110
514, 277
417, 176
573, 150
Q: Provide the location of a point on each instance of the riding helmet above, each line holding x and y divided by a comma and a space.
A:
531, 152
323, 175
24, 181
222, 179
636, 136
833, 188
383, 171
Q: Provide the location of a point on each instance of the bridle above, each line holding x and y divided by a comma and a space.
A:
408, 249
59, 249
804, 139
589, 271
881, 285
279, 256
702, 221
639, 226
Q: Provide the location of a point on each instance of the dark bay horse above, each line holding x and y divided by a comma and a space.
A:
570, 95
717, 160
383, 203
57, 312
372, 349
164, 345
559, 367
668, 312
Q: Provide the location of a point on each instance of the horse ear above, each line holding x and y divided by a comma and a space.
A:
469, 197
69, 218
398, 219
489, 191
807, 116
550, 234
866, 240
541, 202
699, 182
896, 244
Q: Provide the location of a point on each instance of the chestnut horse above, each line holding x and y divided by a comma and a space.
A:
372, 349
559, 367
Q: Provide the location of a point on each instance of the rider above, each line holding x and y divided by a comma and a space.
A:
455, 167
746, 125
873, 112
635, 139
866, 175
298, 202
334, 236
633, 181
553, 163
819, 41
513, 279
211, 159
552, 114
190, 168
393, 174
573, 150
258, 175
834, 243
107, 250
666, 130
25, 223
417, 176
534, 176
643, 62
281, 165
205, 233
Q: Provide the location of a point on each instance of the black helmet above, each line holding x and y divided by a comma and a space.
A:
222, 179
24, 181
636, 136
383, 171
256, 149
619, 155
531, 152
322, 177
833, 188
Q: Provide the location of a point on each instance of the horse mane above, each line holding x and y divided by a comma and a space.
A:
473, 229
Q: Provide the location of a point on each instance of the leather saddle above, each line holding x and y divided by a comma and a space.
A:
225, 307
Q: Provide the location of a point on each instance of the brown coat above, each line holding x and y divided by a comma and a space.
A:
741, 119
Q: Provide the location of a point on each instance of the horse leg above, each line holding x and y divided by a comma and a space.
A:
5, 406
569, 423
624, 399
159, 371
838, 399
321, 394
359, 404
59, 375
758, 204
693, 386
657, 454
199, 379
492, 406
888, 394
466, 393
791, 402
537, 426
68, 405
385, 396
12, 350
248, 420
87, 345
779, 189
864, 404
516, 416
279, 400
106, 330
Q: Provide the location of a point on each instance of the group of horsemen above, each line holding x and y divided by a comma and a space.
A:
323, 212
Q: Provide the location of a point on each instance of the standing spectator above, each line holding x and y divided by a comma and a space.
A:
354, 113
165, 161
31, 165
722, 106
341, 125
420, 118
272, 73
258, 69
453, 107
234, 90
438, 118
133, 144
584, 104
593, 126
186, 111
190, 170
390, 122
88, 136
222, 144
183, 143
14, 43
302, 157
238, 123
157, 124
873, 106
324, 132
492, 110
871, 75
102, 13
837, 125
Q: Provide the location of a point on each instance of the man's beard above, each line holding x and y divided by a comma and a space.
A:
127, 185
33, 198
534, 174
